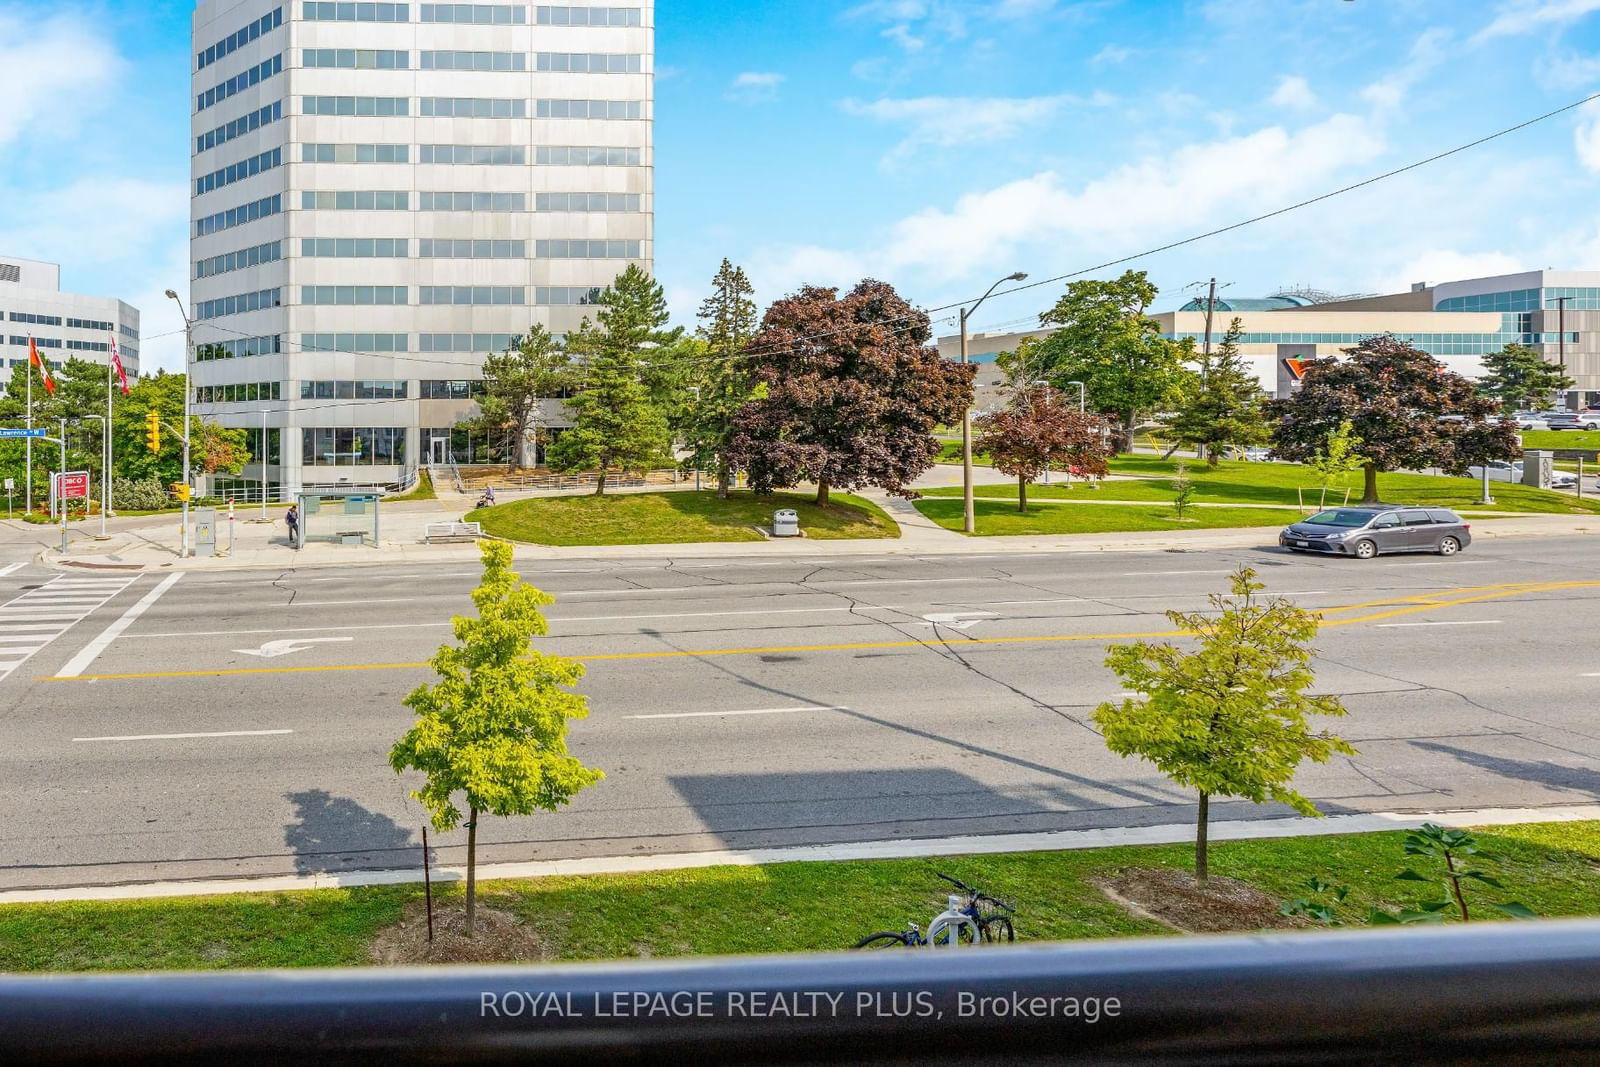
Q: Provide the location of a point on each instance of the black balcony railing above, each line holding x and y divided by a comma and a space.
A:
1491, 993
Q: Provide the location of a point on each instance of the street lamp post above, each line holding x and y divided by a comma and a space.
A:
968, 521
188, 355
1083, 397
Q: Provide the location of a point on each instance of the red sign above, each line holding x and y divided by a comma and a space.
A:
73, 484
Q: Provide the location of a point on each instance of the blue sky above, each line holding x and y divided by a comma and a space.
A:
940, 144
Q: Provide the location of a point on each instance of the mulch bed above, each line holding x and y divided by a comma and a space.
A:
500, 937
1174, 899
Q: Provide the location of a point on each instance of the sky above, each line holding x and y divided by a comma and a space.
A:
942, 144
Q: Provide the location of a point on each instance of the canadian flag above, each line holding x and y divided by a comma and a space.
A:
44, 368
116, 363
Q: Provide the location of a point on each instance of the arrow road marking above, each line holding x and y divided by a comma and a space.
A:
958, 620
274, 649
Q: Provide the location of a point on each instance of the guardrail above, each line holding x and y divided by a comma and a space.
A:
1491, 992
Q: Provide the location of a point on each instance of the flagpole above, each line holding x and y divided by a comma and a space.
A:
27, 475
105, 445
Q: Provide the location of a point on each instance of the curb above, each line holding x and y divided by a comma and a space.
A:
989, 844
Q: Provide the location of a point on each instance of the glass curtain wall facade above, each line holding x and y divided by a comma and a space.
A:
385, 193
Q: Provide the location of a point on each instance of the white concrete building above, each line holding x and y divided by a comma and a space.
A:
63, 325
385, 193
1459, 322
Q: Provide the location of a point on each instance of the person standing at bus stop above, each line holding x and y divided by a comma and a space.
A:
293, 519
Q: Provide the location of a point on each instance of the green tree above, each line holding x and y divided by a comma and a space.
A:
1518, 376
1182, 489
1230, 718
1038, 431
1104, 339
619, 413
1224, 411
1395, 398
723, 379
516, 383
494, 726
1337, 459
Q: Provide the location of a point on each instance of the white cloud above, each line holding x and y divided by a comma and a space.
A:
54, 71
1517, 17
1425, 54
754, 87
1293, 94
1567, 72
1148, 200
1442, 265
946, 121
1111, 55
1586, 137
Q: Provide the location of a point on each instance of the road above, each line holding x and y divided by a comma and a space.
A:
237, 723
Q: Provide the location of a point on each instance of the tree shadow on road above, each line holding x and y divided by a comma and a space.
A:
1556, 777
336, 834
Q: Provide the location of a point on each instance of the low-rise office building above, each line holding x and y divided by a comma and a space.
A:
63, 325
1557, 313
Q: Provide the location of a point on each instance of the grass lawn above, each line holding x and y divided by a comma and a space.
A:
1240, 482
676, 518
423, 490
1001, 517
1561, 439
788, 907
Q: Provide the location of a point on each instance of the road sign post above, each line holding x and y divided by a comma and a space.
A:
11, 487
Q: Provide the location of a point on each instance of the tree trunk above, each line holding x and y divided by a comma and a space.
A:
1128, 421
1022, 493
724, 480
822, 492
1201, 866
1370, 472
600, 483
472, 871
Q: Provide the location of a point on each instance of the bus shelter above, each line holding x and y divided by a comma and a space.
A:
338, 518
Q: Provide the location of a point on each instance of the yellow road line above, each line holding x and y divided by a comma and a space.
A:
1409, 605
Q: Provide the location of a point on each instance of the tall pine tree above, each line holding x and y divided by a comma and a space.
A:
1226, 410
723, 379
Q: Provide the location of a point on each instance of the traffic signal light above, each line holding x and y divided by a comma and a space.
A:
152, 430
180, 490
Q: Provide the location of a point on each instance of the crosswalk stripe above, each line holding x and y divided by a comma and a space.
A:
31, 621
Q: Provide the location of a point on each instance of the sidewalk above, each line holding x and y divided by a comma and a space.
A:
975, 845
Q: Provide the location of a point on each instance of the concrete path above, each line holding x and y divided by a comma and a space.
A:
986, 845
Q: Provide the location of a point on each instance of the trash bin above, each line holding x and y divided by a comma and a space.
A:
785, 523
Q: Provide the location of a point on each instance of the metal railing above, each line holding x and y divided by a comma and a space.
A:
1486, 993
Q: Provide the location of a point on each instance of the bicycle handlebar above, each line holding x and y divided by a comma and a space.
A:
975, 894
958, 883
996, 902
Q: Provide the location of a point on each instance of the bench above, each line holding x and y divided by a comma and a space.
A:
439, 533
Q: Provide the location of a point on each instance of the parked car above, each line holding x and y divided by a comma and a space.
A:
1378, 529
1589, 419
1561, 420
1501, 471
1530, 420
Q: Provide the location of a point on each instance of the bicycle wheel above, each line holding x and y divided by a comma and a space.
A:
997, 930
883, 939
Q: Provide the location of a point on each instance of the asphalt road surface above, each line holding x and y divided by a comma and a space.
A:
237, 723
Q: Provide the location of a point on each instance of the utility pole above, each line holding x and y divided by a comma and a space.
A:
969, 521
61, 484
188, 357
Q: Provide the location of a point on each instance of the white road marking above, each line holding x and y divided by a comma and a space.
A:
341, 603
289, 630
1451, 622
751, 711
289, 646
698, 614
957, 620
178, 737
11, 568
36, 618
79, 663
1053, 600
909, 581
1141, 574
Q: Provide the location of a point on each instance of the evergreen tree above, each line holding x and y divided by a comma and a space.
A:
1518, 377
1225, 411
723, 379
515, 384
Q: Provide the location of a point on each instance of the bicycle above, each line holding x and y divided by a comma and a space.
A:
961, 923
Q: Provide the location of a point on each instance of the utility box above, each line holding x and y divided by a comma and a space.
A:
1536, 467
785, 523
205, 532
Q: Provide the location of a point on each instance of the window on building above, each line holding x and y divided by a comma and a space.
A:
476, 14
355, 247
238, 348
237, 216
238, 304
240, 126
589, 62
355, 153
356, 58
471, 294
355, 200
357, 295
450, 390
589, 109
245, 168
472, 107
558, 295
480, 61
362, 389
37, 320
586, 202
238, 392
244, 257
353, 447
481, 343
573, 156
358, 12
474, 154
577, 249
550, 15
239, 38
472, 201
447, 248
359, 106
355, 343
89, 324
240, 82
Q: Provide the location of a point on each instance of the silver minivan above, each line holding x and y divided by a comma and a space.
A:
1365, 531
